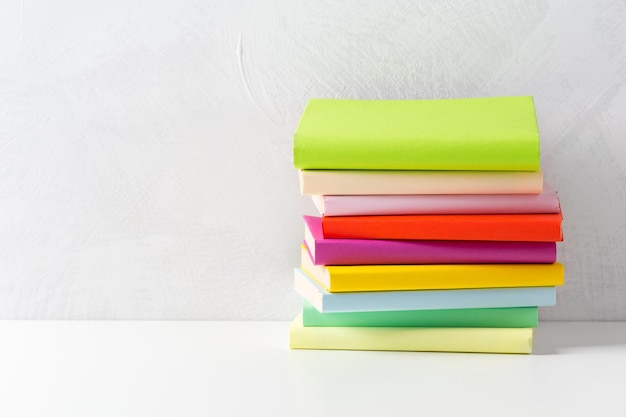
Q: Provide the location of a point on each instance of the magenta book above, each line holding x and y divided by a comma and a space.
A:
406, 252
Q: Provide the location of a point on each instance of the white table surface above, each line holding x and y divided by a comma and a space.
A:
118, 368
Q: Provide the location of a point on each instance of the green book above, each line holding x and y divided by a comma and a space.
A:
486, 134
472, 317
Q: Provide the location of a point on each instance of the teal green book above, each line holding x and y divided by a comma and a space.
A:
519, 317
484, 134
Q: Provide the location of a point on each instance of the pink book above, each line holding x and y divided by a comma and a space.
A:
407, 252
371, 205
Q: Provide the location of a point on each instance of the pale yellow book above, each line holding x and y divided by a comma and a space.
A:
438, 339
357, 278
371, 182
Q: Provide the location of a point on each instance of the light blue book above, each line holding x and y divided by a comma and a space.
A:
324, 301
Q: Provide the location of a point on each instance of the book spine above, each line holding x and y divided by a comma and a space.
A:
379, 252
346, 182
485, 340
357, 278
389, 205
498, 227
479, 317
439, 299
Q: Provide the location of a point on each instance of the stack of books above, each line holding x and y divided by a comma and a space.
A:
436, 233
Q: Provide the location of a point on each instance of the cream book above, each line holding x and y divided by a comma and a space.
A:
349, 182
437, 339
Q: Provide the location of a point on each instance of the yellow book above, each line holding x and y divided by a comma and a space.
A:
432, 339
357, 278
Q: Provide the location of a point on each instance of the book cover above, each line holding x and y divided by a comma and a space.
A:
325, 301
434, 339
356, 278
388, 205
381, 251
461, 317
502, 227
350, 182
497, 133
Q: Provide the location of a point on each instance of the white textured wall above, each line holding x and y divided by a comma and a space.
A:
145, 148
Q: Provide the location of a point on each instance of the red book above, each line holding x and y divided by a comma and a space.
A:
502, 227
